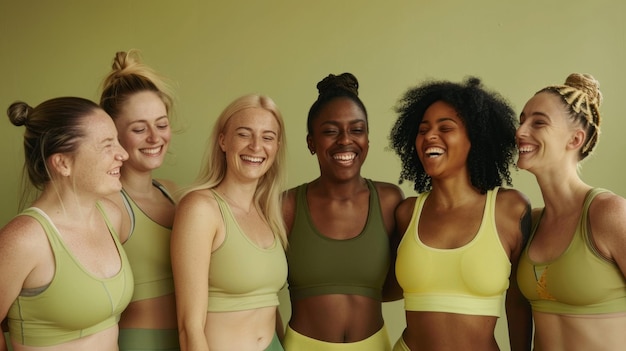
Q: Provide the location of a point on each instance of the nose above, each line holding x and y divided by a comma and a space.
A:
255, 142
344, 138
122, 155
153, 135
521, 131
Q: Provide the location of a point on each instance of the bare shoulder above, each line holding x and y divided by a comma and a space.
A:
198, 202
404, 212
22, 237
512, 199
289, 207
389, 194
170, 185
607, 213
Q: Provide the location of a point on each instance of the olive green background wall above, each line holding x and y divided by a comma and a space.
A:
217, 51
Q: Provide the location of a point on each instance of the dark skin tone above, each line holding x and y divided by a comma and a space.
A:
339, 204
450, 218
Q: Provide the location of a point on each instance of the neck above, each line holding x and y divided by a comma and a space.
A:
136, 182
240, 196
339, 190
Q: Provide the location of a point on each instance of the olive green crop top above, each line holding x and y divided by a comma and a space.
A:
319, 265
75, 303
580, 281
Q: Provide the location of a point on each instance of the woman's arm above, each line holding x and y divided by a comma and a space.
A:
195, 227
23, 248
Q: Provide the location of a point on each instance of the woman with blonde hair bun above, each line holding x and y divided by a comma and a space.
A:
572, 270
140, 103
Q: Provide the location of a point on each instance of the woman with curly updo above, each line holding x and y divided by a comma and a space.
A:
339, 227
140, 104
572, 270
462, 234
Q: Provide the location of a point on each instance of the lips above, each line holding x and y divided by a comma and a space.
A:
344, 156
152, 151
252, 159
434, 151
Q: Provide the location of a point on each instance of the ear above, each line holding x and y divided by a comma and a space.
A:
577, 139
61, 164
220, 141
309, 144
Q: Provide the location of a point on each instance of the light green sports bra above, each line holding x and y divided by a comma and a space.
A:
76, 303
580, 281
243, 276
148, 250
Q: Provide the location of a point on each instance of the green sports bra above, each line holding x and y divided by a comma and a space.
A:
580, 281
242, 275
148, 251
75, 303
319, 265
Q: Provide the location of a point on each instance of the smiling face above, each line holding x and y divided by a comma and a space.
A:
339, 137
442, 142
544, 133
250, 141
95, 166
144, 131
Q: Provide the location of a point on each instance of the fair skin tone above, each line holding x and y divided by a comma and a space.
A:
550, 143
250, 142
80, 180
450, 219
144, 132
339, 202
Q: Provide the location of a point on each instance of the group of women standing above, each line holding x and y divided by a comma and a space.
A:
208, 260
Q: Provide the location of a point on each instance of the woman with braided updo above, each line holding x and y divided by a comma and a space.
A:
572, 270
339, 227
140, 104
462, 234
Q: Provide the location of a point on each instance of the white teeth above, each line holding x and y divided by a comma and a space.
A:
434, 151
152, 151
345, 156
525, 149
252, 159
115, 172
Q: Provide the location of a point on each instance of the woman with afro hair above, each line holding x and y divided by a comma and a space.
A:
462, 234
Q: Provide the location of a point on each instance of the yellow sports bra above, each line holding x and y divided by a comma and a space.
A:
468, 280
580, 281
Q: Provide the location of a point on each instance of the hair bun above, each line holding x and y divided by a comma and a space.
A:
586, 83
345, 82
18, 113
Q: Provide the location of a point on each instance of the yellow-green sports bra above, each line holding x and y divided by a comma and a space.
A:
580, 281
75, 303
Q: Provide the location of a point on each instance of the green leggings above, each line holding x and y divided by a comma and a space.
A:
148, 340
275, 345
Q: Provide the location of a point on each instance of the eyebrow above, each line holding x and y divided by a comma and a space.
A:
536, 113
354, 121
250, 130
146, 121
442, 119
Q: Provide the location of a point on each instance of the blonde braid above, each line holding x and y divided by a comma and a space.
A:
581, 93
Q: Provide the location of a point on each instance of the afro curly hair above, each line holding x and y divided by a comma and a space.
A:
490, 122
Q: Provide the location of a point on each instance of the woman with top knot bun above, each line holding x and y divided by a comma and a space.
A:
65, 277
140, 103
573, 268
339, 227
